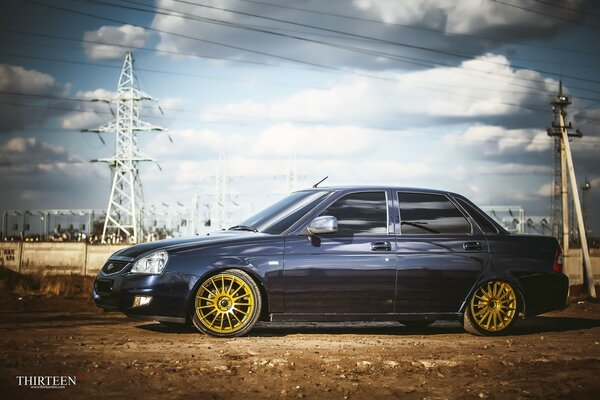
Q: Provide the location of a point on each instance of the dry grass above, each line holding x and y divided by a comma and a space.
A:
49, 285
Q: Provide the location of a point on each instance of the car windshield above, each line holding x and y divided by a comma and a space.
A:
280, 216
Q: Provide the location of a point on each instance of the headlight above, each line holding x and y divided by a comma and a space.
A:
151, 264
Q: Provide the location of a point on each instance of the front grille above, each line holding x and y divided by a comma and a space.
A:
106, 301
103, 286
113, 266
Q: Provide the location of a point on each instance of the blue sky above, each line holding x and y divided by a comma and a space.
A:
427, 93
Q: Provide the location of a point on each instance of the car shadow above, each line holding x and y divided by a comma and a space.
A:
158, 327
528, 326
353, 328
542, 324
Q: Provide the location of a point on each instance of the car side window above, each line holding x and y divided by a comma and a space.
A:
363, 213
427, 213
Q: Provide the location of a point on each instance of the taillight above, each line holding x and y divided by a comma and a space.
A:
558, 261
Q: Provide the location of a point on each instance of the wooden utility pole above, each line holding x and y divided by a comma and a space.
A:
568, 174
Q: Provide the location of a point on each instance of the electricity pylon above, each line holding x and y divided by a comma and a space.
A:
124, 216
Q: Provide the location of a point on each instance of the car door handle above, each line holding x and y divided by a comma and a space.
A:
472, 246
386, 246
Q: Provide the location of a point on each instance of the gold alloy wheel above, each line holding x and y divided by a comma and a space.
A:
225, 304
493, 306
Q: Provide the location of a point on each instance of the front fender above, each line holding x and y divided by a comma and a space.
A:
262, 260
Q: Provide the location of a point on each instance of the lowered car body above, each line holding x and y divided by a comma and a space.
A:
342, 254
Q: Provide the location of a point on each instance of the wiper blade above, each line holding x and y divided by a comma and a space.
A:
243, 228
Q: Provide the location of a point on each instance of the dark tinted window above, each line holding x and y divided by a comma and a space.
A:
484, 223
360, 214
423, 214
283, 214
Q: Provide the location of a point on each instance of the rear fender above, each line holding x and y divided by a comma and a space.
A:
509, 278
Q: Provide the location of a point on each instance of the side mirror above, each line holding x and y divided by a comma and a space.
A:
323, 224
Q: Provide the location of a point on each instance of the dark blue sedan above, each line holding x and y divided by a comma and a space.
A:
343, 254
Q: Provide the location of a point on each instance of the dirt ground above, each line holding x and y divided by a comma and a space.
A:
556, 355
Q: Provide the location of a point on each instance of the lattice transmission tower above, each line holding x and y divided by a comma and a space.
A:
125, 213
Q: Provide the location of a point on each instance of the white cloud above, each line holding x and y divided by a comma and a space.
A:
28, 146
278, 141
446, 16
494, 140
476, 89
126, 37
42, 88
546, 190
461, 16
283, 139
340, 171
21, 80
190, 143
30, 195
89, 114
517, 169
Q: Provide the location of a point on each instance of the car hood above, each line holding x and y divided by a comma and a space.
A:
167, 244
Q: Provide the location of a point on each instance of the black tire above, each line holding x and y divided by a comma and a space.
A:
226, 304
417, 324
492, 309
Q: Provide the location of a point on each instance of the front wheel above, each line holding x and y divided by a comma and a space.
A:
492, 309
227, 304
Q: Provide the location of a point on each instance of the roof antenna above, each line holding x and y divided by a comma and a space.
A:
321, 181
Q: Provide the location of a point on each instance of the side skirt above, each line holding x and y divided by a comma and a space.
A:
334, 317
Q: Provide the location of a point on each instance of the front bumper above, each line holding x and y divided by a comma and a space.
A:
171, 294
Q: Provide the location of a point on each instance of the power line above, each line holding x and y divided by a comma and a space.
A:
276, 56
169, 12
420, 28
156, 71
567, 8
404, 59
154, 50
407, 59
183, 110
212, 42
410, 60
389, 42
546, 14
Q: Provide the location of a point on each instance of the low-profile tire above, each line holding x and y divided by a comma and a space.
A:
417, 324
227, 304
492, 309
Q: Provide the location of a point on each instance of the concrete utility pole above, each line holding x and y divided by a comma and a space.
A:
560, 104
125, 212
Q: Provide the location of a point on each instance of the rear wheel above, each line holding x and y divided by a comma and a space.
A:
227, 304
492, 309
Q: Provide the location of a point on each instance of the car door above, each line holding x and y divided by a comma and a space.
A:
440, 254
349, 272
